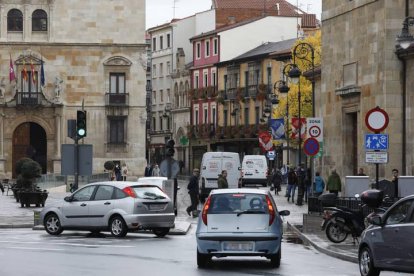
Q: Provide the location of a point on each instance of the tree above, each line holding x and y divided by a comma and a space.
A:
27, 171
305, 84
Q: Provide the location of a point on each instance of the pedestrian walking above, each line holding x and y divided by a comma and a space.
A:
222, 180
395, 181
117, 170
308, 183
156, 170
192, 188
319, 184
361, 172
148, 170
277, 180
301, 175
124, 172
292, 181
334, 184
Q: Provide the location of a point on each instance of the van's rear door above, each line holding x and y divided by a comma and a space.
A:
211, 168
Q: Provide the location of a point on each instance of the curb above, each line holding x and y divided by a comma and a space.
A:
12, 226
326, 251
176, 231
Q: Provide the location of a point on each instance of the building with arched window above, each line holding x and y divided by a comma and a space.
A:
57, 57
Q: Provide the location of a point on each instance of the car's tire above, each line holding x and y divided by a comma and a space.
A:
52, 225
275, 258
366, 263
335, 233
118, 227
160, 232
202, 259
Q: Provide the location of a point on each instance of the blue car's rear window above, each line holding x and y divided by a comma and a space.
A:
236, 203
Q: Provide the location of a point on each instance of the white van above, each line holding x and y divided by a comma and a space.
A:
211, 166
254, 170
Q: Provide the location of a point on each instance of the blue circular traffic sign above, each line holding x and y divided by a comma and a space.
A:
311, 146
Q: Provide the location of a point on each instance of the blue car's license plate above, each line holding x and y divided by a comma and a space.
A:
238, 246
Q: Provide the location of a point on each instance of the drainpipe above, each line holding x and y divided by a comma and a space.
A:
404, 111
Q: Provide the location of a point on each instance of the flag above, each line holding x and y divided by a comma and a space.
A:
265, 140
278, 128
33, 72
25, 77
295, 128
12, 76
42, 74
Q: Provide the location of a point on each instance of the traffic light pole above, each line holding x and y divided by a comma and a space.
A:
76, 184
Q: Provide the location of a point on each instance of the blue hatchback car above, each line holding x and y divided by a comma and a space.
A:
239, 222
388, 243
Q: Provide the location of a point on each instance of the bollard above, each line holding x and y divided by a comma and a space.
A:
36, 218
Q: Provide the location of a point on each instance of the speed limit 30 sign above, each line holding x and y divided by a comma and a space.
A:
315, 128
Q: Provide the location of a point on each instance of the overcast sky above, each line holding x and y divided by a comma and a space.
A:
161, 11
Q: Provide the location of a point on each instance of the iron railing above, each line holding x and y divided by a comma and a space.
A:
116, 99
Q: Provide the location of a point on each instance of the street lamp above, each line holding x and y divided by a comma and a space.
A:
281, 87
301, 52
405, 39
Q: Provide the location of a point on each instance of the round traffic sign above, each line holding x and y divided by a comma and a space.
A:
311, 146
376, 119
314, 131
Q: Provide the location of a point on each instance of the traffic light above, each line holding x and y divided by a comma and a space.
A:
169, 148
81, 123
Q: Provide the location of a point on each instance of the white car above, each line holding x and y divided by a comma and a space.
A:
155, 180
239, 222
114, 206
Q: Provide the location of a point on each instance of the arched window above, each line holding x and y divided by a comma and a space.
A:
15, 21
39, 21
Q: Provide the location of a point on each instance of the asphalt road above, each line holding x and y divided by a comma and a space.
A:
26, 252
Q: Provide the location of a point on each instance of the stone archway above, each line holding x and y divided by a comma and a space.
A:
29, 140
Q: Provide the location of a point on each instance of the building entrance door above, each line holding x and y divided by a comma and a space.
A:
29, 140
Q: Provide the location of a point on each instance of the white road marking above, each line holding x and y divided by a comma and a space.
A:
72, 244
35, 248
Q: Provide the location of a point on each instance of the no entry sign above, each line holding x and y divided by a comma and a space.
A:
376, 119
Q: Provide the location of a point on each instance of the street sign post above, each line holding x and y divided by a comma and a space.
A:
376, 141
315, 128
376, 120
311, 146
376, 157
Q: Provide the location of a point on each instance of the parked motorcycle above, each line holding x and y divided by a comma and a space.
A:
339, 222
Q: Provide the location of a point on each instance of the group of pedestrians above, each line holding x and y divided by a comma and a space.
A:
152, 170
120, 173
300, 178
193, 190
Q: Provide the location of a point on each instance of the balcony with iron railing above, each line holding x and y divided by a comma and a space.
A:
231, 93
116, 99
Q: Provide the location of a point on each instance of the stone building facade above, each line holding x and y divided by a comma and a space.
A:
89, 60
361, 70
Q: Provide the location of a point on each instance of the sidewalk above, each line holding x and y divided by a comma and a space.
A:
307, 227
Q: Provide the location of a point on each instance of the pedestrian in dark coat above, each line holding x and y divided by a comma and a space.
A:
277, 181
118, 175
292, 182
193, 191
301, 174
334, 184
148, 170
222, 180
